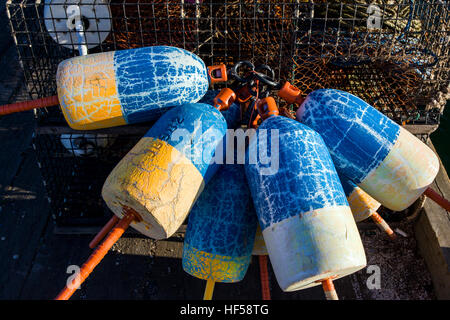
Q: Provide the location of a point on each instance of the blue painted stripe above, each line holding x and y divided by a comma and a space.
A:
151, 80
305, 180
195, 130
221, 221
358, 136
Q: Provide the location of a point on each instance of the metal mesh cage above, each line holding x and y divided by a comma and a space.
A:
393, 54
74, 167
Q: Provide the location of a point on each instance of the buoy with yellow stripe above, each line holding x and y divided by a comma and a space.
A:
155, 185
364, 206
306, 222
221, 230
121, 87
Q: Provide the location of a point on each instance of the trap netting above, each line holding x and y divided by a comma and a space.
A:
393, 54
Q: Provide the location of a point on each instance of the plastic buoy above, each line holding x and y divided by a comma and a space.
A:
162, 176
155, 185
384, 159
232, 117
221, 229
307, 224
115, 88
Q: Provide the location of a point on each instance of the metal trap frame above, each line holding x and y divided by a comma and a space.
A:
392, 54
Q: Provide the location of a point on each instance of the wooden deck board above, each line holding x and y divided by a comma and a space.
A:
432, 231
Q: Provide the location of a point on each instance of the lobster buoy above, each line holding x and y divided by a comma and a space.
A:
221, 230
381, 157
162, 176
121, 87
307, 224
364, 206
156, 184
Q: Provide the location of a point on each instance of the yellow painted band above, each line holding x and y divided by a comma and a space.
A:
157, 181
362, 205
205, 265
87, 92
409, 168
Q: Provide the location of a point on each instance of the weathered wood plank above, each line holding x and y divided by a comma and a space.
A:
24, 215
421, 128
432, 232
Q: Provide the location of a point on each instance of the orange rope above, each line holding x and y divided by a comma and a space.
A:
29, 105
99, 254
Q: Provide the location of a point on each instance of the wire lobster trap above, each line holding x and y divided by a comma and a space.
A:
393, 54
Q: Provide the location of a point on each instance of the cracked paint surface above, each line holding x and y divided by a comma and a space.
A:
307, 225
314, 246
358, 136
306, 178
361, 204
195, 130
382, 158
158, 180
115, 88
221, 228
87, 92
151, 80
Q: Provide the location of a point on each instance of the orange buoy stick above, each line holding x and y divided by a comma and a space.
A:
264, 275
433, 195
383, 225
29, 105
102, 233
329, 290
99, 253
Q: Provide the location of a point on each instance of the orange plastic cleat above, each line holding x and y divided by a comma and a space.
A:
244, 94
291, 94
217, 73
224, 99
267, 107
